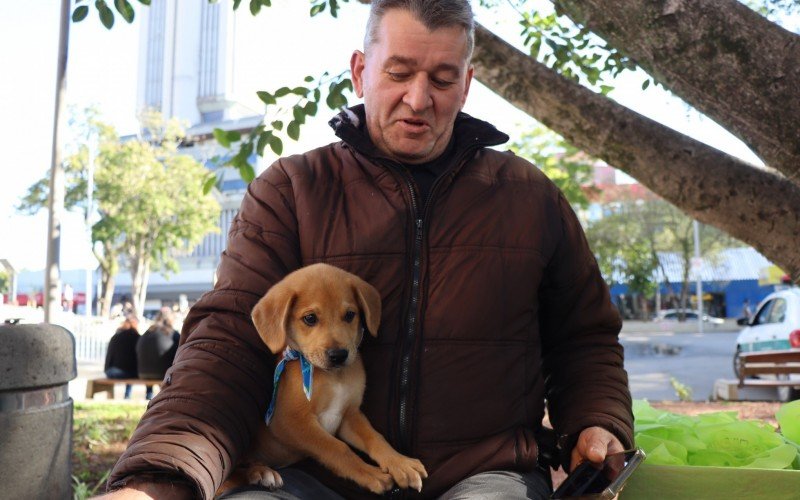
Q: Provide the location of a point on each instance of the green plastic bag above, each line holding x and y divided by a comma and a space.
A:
716, 439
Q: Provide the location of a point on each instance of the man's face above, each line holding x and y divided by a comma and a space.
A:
414, 82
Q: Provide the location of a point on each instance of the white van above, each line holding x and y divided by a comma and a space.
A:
774, 326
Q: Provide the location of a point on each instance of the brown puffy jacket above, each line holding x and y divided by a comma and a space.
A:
492, 302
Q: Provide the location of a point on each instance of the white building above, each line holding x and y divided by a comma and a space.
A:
186, 68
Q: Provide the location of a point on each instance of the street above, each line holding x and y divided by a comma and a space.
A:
695, 360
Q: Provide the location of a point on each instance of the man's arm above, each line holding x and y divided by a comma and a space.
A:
218, 387
586, 385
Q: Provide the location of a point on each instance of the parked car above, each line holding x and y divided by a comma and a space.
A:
690, 314
774, 326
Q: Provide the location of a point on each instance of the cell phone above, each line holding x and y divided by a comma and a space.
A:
600, 482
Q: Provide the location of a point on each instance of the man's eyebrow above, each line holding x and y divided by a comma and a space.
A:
408, 61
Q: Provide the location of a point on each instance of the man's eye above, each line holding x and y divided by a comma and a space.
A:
398, 76
310, 319
349, 316
442, 84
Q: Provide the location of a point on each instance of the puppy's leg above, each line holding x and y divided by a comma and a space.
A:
356, 430
308, 436
263, 475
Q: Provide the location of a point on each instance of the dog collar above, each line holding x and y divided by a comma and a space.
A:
305, 367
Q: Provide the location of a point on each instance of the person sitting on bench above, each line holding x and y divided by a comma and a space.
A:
156, 349
121, 354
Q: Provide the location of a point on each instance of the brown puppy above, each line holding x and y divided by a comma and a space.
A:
321, 312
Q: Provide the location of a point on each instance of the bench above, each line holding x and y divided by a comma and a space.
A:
94, 386
784, 362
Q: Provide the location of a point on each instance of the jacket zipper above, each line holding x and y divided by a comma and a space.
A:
408, 342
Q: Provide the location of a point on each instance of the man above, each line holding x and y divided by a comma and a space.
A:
492, 301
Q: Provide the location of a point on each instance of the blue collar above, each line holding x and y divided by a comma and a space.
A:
305, 366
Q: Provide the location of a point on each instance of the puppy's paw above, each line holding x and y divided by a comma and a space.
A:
265, 476
373, 479
406, 472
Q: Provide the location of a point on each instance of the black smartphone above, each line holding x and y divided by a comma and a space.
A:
601, 482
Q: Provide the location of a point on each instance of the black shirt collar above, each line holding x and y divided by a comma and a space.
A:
468, 132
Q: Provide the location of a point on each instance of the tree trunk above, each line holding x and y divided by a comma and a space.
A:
719, 56
753, 205
107, 293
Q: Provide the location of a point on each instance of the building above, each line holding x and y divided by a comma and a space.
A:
186, 65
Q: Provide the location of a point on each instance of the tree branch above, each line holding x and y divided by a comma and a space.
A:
712, 186
719, 56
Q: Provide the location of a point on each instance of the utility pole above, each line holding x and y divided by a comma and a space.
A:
698, 275
55, 203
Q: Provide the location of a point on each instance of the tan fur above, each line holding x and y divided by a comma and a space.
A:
320, 428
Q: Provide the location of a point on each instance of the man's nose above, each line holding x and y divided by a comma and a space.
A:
418, 94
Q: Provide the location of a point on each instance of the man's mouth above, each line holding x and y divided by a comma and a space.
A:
414, 125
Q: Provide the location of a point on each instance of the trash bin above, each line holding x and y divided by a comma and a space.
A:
36, 363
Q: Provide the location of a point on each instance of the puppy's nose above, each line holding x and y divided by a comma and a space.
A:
337, 356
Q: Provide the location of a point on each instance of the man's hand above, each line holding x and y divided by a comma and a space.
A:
149, 491
594, 443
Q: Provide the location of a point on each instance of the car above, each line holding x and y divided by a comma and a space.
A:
689, 314
774, 326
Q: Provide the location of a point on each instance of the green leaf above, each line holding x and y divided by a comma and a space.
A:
263, 139
283, 91
266, 97
222, 138
106, 15
316, 9
80, 14
236, 4
299, 114
125, 9
276, 144
247, 173
309, 79
645, 84
234, 136
255, 6
145, 2
266, 3
301, 91
210, 182
311, 108
277, 125
293, 130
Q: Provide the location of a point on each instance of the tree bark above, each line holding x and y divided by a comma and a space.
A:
719, 56
756, 206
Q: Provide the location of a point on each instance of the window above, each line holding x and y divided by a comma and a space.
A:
763, 314
778, 312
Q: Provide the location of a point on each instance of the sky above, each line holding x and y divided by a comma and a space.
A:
102, 71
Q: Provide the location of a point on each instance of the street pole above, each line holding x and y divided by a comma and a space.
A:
698, 276
89, 189
55, 203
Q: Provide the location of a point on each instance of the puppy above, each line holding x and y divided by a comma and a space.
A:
318, 315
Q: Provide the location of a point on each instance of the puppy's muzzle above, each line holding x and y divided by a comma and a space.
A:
337, 357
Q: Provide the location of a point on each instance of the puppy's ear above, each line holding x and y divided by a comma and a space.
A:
272, 314
369, 300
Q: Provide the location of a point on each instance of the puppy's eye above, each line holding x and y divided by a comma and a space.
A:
310, 319
349, 316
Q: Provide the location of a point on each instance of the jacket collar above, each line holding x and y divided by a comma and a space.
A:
469, 133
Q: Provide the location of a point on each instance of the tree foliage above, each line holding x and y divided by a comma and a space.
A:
628, 240
149, 204
567, 166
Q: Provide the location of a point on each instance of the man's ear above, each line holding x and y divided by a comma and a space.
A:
271, 316
467, 83
357, 72
369, 301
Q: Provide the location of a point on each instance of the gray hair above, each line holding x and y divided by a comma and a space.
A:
433, 14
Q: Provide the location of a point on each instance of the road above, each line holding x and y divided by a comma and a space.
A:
695, 360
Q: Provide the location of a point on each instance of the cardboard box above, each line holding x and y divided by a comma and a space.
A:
666, 482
